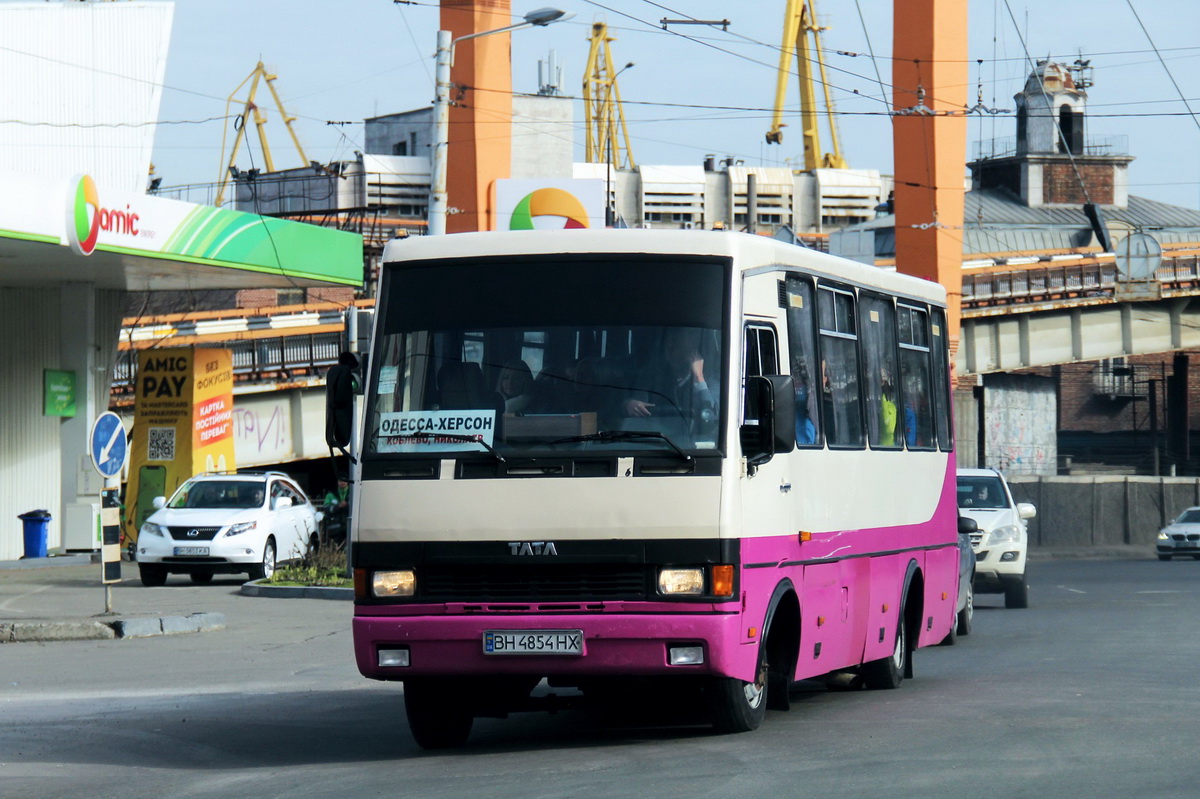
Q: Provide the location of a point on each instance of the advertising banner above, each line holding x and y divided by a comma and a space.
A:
549, 204
182, 425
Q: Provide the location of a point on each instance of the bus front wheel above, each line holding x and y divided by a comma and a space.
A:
739, 706
437, 716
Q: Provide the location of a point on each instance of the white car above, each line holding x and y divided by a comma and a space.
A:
1180, 537
1002, 542
227, 524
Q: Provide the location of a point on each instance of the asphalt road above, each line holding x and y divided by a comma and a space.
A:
1087, 693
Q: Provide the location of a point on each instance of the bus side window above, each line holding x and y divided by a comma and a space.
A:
761, 358
915, 376
841, 406
941, 381
802, 346
878, 327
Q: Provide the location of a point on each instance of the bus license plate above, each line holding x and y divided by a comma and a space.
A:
194, 551
533, 642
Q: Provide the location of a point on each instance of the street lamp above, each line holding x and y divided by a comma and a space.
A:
609, 155
441, 107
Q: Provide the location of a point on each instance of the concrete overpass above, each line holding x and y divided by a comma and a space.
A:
1069, 309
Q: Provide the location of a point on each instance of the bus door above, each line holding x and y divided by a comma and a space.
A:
766, 505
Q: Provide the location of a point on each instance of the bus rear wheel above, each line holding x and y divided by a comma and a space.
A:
437, 716
739, 706
887, 673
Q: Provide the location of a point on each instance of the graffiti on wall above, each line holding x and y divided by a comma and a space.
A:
1021, 424
262, 431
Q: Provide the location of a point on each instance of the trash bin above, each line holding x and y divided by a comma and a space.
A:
36, 522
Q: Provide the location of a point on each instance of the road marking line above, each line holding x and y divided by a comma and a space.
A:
1072, 590
5, 604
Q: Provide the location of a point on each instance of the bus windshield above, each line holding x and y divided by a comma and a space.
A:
542, 357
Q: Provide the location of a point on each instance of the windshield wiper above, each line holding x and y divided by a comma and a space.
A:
456, 437
623, 435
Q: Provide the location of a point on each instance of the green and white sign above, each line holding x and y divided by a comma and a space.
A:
82, 215
58, 395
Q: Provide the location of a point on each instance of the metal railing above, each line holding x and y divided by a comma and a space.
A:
1065, 280
1008, 146
265, 359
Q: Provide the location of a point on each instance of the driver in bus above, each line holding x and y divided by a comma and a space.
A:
676, 385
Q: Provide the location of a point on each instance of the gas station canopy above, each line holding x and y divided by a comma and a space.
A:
73, 231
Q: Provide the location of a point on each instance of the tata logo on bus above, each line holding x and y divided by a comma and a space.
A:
86, 217
532, 548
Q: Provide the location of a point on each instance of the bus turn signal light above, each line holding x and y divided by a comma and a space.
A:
722, 580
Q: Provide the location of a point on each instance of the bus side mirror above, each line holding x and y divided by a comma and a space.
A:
772, 400
339, 401
967, 525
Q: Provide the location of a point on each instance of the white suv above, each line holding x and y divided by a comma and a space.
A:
1002, 541
226, 523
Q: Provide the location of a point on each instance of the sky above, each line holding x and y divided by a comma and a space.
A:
694, 89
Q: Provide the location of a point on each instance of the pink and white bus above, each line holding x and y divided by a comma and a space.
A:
687, 459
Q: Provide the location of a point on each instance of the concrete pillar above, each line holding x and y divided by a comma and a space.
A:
78, 353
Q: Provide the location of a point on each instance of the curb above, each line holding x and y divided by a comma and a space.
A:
18, 632
50, 562
257, 588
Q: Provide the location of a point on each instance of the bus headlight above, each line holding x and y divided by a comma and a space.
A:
681, 581
398, 583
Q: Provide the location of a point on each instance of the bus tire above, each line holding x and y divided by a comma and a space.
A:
888, 673
436, 717
739, 706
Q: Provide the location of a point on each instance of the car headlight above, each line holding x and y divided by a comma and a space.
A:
1002, 535
681, 581
397, 583
1163, 535
241, 527
150, 528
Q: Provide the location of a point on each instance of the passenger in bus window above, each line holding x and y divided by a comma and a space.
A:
806, 429
676, 385
887, 424
515, 384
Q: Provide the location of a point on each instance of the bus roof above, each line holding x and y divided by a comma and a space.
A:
749, 251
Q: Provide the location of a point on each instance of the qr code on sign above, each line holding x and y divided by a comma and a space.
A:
161, 444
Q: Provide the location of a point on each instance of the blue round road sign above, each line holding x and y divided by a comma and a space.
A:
108, 444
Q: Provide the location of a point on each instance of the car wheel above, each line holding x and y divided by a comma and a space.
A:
264, 570
887, 673
437, 716
152, 576
1164, 557
202, 578
967, 614
1016, 595
739, 706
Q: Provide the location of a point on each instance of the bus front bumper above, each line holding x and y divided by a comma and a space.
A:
398, 647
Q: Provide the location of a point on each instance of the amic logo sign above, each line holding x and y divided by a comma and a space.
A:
83, 216
549, 209
86, 217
